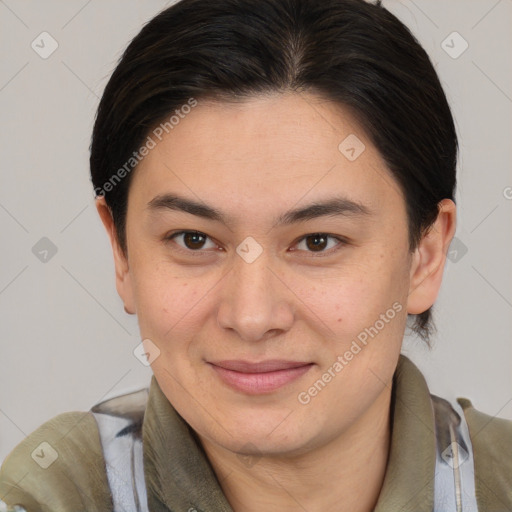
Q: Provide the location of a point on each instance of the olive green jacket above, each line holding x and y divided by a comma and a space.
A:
179, 477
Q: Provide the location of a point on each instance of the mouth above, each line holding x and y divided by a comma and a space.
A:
261, 377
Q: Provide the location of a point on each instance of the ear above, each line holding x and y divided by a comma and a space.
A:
429, 258
123, 278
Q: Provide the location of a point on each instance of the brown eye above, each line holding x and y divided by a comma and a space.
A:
316, 242
320, 243
192, 240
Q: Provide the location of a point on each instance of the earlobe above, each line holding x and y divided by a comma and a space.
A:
123, 277
429, 259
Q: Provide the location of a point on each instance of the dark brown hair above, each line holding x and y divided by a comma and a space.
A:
350, 51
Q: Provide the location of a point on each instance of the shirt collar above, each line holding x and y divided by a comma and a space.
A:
409, 479
179, 476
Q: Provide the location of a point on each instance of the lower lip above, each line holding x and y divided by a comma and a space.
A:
260, 383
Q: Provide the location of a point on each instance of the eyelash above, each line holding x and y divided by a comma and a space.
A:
313, 254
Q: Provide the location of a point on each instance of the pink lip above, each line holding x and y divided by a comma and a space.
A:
259, 378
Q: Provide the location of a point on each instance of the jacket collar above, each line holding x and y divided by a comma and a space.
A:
179, 476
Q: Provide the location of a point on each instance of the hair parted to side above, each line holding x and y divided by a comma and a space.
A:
350, 51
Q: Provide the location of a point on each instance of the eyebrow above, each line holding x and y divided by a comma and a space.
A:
335, 206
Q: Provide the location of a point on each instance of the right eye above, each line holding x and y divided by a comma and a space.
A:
193, 241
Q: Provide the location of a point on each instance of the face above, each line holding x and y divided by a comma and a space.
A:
270, 267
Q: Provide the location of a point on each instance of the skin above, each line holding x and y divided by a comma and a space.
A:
254, 160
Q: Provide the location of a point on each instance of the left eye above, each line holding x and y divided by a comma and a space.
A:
318, 242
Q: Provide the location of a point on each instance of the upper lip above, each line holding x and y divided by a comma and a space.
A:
270, 365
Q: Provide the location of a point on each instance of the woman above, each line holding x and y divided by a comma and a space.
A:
277, 180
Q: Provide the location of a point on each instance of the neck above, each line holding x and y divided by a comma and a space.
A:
345, 474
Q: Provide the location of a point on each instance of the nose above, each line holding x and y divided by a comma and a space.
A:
255, 303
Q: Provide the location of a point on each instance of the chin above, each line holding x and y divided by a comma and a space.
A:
271, 433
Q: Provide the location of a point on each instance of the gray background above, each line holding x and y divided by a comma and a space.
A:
65, 340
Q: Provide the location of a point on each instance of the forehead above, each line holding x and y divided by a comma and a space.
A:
265, 150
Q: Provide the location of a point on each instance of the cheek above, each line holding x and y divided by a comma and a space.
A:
352, 296
168, 306
364, 306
